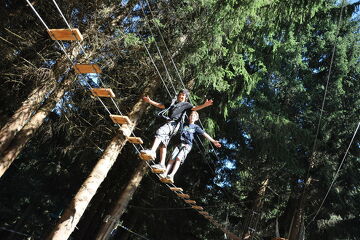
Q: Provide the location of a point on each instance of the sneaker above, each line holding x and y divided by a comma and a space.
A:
149, 153
158, 166
170, 178
162, 175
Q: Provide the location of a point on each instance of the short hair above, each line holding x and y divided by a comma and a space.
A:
196, 114
186, 92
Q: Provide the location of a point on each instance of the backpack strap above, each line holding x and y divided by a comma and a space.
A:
163, 113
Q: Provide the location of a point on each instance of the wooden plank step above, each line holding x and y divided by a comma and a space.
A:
87, 68
176, 189
157, 170
65, 34
197, 207
190, 201
166, 180
135, 140
204, 213
183, 195
102, 92
145, 157
120, 119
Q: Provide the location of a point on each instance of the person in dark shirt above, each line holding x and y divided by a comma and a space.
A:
176, 110
186, 140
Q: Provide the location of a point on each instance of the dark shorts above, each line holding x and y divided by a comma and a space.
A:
180, 152
166, 131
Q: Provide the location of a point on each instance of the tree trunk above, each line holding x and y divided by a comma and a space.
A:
298, 218
22, 115
30, 105
26, 133
111, 220
291, 205
78, 204
253, 217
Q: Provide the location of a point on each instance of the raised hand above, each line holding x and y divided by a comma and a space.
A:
208, 102
217, 144
146, 99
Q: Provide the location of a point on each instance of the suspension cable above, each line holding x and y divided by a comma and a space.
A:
176, 69
327, 82
62, 15
158, 50
335, 176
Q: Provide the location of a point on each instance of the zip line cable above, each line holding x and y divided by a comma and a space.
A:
62, 15
152, 34
127, 229
158, 50
182, 82
325, 94
167, 49
327, 83
47, 28
199, 139
157, 70
335, 176
177, 71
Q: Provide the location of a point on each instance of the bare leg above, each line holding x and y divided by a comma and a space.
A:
169, 166
175, 168
162, 154
155, 144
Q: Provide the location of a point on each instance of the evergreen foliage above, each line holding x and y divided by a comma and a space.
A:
265, 63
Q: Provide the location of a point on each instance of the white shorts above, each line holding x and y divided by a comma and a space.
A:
180, 152
166, 131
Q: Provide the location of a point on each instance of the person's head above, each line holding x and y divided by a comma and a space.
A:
194, 116
183, 95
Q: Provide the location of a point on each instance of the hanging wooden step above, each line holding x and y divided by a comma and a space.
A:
135, 140
208, 217
190, 201
204, 213
183, 195
166, 180
216, 223
176, 189
87, 68
102, 92
157, 170
197, 207
120, 119
65, 34
146, 157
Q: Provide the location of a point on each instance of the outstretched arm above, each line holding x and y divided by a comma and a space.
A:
156, 104
204, 105
215, 142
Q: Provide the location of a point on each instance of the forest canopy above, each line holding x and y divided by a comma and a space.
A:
284, 80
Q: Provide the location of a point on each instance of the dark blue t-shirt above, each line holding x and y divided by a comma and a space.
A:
176, 110
188, 133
